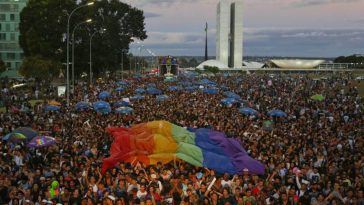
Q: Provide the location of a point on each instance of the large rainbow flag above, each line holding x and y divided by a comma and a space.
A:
161, 141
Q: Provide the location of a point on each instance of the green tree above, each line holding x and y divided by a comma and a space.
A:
212, 69
43, 26
2, 66
39, 67
193, 62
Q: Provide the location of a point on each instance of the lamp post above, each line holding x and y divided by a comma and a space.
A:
68, 48
92, 35
123, 51
73, 50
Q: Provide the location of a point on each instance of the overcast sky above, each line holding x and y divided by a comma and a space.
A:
301, 28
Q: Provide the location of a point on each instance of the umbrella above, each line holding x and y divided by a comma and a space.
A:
121, 83
230, 94
206, 82
137, 97
277, 113
154, 91
51, 108
41, 141
228, 101
22, 133
212, 91
121, 104
104, 94
139, 91
173, 88
318, 97
248, 111
185, 83
162, 97
191, 88
102, 107
119, 89
152, 85
55, 103
224, 88
82, 106
124, 110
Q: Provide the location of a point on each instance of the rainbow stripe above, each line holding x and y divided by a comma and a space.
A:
161, 141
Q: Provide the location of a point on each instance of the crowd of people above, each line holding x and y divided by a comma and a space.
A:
314, 156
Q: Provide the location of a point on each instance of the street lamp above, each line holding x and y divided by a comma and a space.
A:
73, 50
68, 48
92, 35
123, 51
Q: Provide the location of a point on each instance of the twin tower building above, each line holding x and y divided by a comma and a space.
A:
229, 33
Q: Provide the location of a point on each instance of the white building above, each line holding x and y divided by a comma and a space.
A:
229, 33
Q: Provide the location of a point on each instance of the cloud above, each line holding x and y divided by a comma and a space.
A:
265, 42
305, 3
151, 15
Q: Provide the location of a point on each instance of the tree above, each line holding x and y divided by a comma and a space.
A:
39, 67
356, 61
193, 62
43, 26
2, 66
212, 69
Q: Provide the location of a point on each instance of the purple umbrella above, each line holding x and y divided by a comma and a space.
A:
41, 141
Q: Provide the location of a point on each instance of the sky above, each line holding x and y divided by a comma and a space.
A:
291, 28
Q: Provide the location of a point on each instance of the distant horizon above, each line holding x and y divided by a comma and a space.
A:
271, 28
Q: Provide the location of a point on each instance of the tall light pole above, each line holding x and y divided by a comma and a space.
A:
68, 48
73, 50
123, 51
92, 35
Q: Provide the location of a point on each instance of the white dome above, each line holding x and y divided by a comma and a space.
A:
297, 64
212, 63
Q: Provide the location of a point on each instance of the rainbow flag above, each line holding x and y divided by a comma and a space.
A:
161, 141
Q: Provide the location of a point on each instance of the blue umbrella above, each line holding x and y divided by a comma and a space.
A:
102, 107
228, 101
162, 97
277, 113
51, 108
230, 94
121, 104
224, 88
154, 91
152, 85
124, 110
206, 82
137, 97
139, 91
174, 88
121, 83
185, 83
120, 89
191, 88
82, 106
104, 94
248, 111
212, 91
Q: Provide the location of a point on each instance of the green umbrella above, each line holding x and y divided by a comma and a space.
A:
318, 97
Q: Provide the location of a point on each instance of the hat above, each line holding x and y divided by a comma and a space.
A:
153, 176
245, 170
42, 178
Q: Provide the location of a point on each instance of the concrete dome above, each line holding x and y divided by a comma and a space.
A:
297, 64
212, 63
